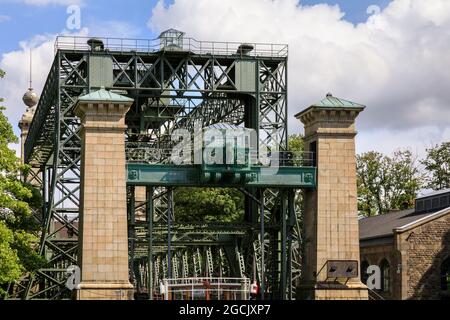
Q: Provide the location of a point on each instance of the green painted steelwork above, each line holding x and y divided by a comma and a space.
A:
193, 176
209, 82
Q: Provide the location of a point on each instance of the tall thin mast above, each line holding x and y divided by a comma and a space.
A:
31, 68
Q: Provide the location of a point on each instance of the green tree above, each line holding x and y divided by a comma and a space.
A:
17, 225
437, 166
406, 178
208, 205
297, 146
10, 267
386, 183
296, 143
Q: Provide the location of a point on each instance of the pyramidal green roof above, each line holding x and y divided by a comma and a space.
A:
331, 102
104, 95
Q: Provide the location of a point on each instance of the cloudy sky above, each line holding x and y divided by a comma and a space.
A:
393, 56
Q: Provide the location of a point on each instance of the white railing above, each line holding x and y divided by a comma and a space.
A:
187, 44
207, 288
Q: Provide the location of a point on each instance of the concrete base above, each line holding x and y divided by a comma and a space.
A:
333, 291
104, 291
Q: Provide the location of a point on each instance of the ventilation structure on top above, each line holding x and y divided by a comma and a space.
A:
436, 201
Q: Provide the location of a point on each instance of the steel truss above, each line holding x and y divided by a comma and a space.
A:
171, 89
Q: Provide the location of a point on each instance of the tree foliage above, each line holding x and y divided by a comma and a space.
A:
208, 205
387, 183
437, 165
17, 225
295, 143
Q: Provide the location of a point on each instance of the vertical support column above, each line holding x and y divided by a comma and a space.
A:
292, 220
283, 234
150, 213
261, 239
132, 232
103, 237
44, 192
330, 212
169, 233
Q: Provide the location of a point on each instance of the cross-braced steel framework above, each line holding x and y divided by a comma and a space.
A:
173, 87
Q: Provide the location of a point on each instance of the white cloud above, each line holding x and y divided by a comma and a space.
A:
396, 63
16, 65
4, 18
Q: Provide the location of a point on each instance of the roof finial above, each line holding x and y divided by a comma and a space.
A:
30, 98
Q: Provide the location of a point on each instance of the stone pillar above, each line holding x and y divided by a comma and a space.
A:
34, 176
24, 126
103, 237
330, 211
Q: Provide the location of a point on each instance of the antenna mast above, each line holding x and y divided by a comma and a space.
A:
31, 68
30, 98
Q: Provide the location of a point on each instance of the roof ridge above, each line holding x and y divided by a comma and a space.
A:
418, 222
388, 213
332, 101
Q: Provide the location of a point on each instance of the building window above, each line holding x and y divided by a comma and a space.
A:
445, 275
385, 276
364, 275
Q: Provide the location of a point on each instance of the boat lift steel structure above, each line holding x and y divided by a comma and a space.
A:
175, 82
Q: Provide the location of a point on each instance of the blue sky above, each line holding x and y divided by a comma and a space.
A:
24, 20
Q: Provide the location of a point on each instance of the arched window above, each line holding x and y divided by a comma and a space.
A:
364, 275
385, 269
445, 275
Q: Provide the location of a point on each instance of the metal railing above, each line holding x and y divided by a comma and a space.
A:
142, 153
207, 288
187, 44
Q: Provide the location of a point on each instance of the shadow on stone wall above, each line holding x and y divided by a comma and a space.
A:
429, 286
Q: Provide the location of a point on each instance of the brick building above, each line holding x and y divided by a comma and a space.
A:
412, 249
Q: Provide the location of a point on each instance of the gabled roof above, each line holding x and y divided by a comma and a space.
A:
383, 225
104, 95
423, 220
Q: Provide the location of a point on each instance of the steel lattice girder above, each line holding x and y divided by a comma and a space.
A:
279, 240
185, 86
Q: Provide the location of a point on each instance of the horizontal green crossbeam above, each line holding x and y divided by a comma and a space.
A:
168, 175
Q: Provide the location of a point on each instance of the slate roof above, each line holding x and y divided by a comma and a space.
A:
383, 225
